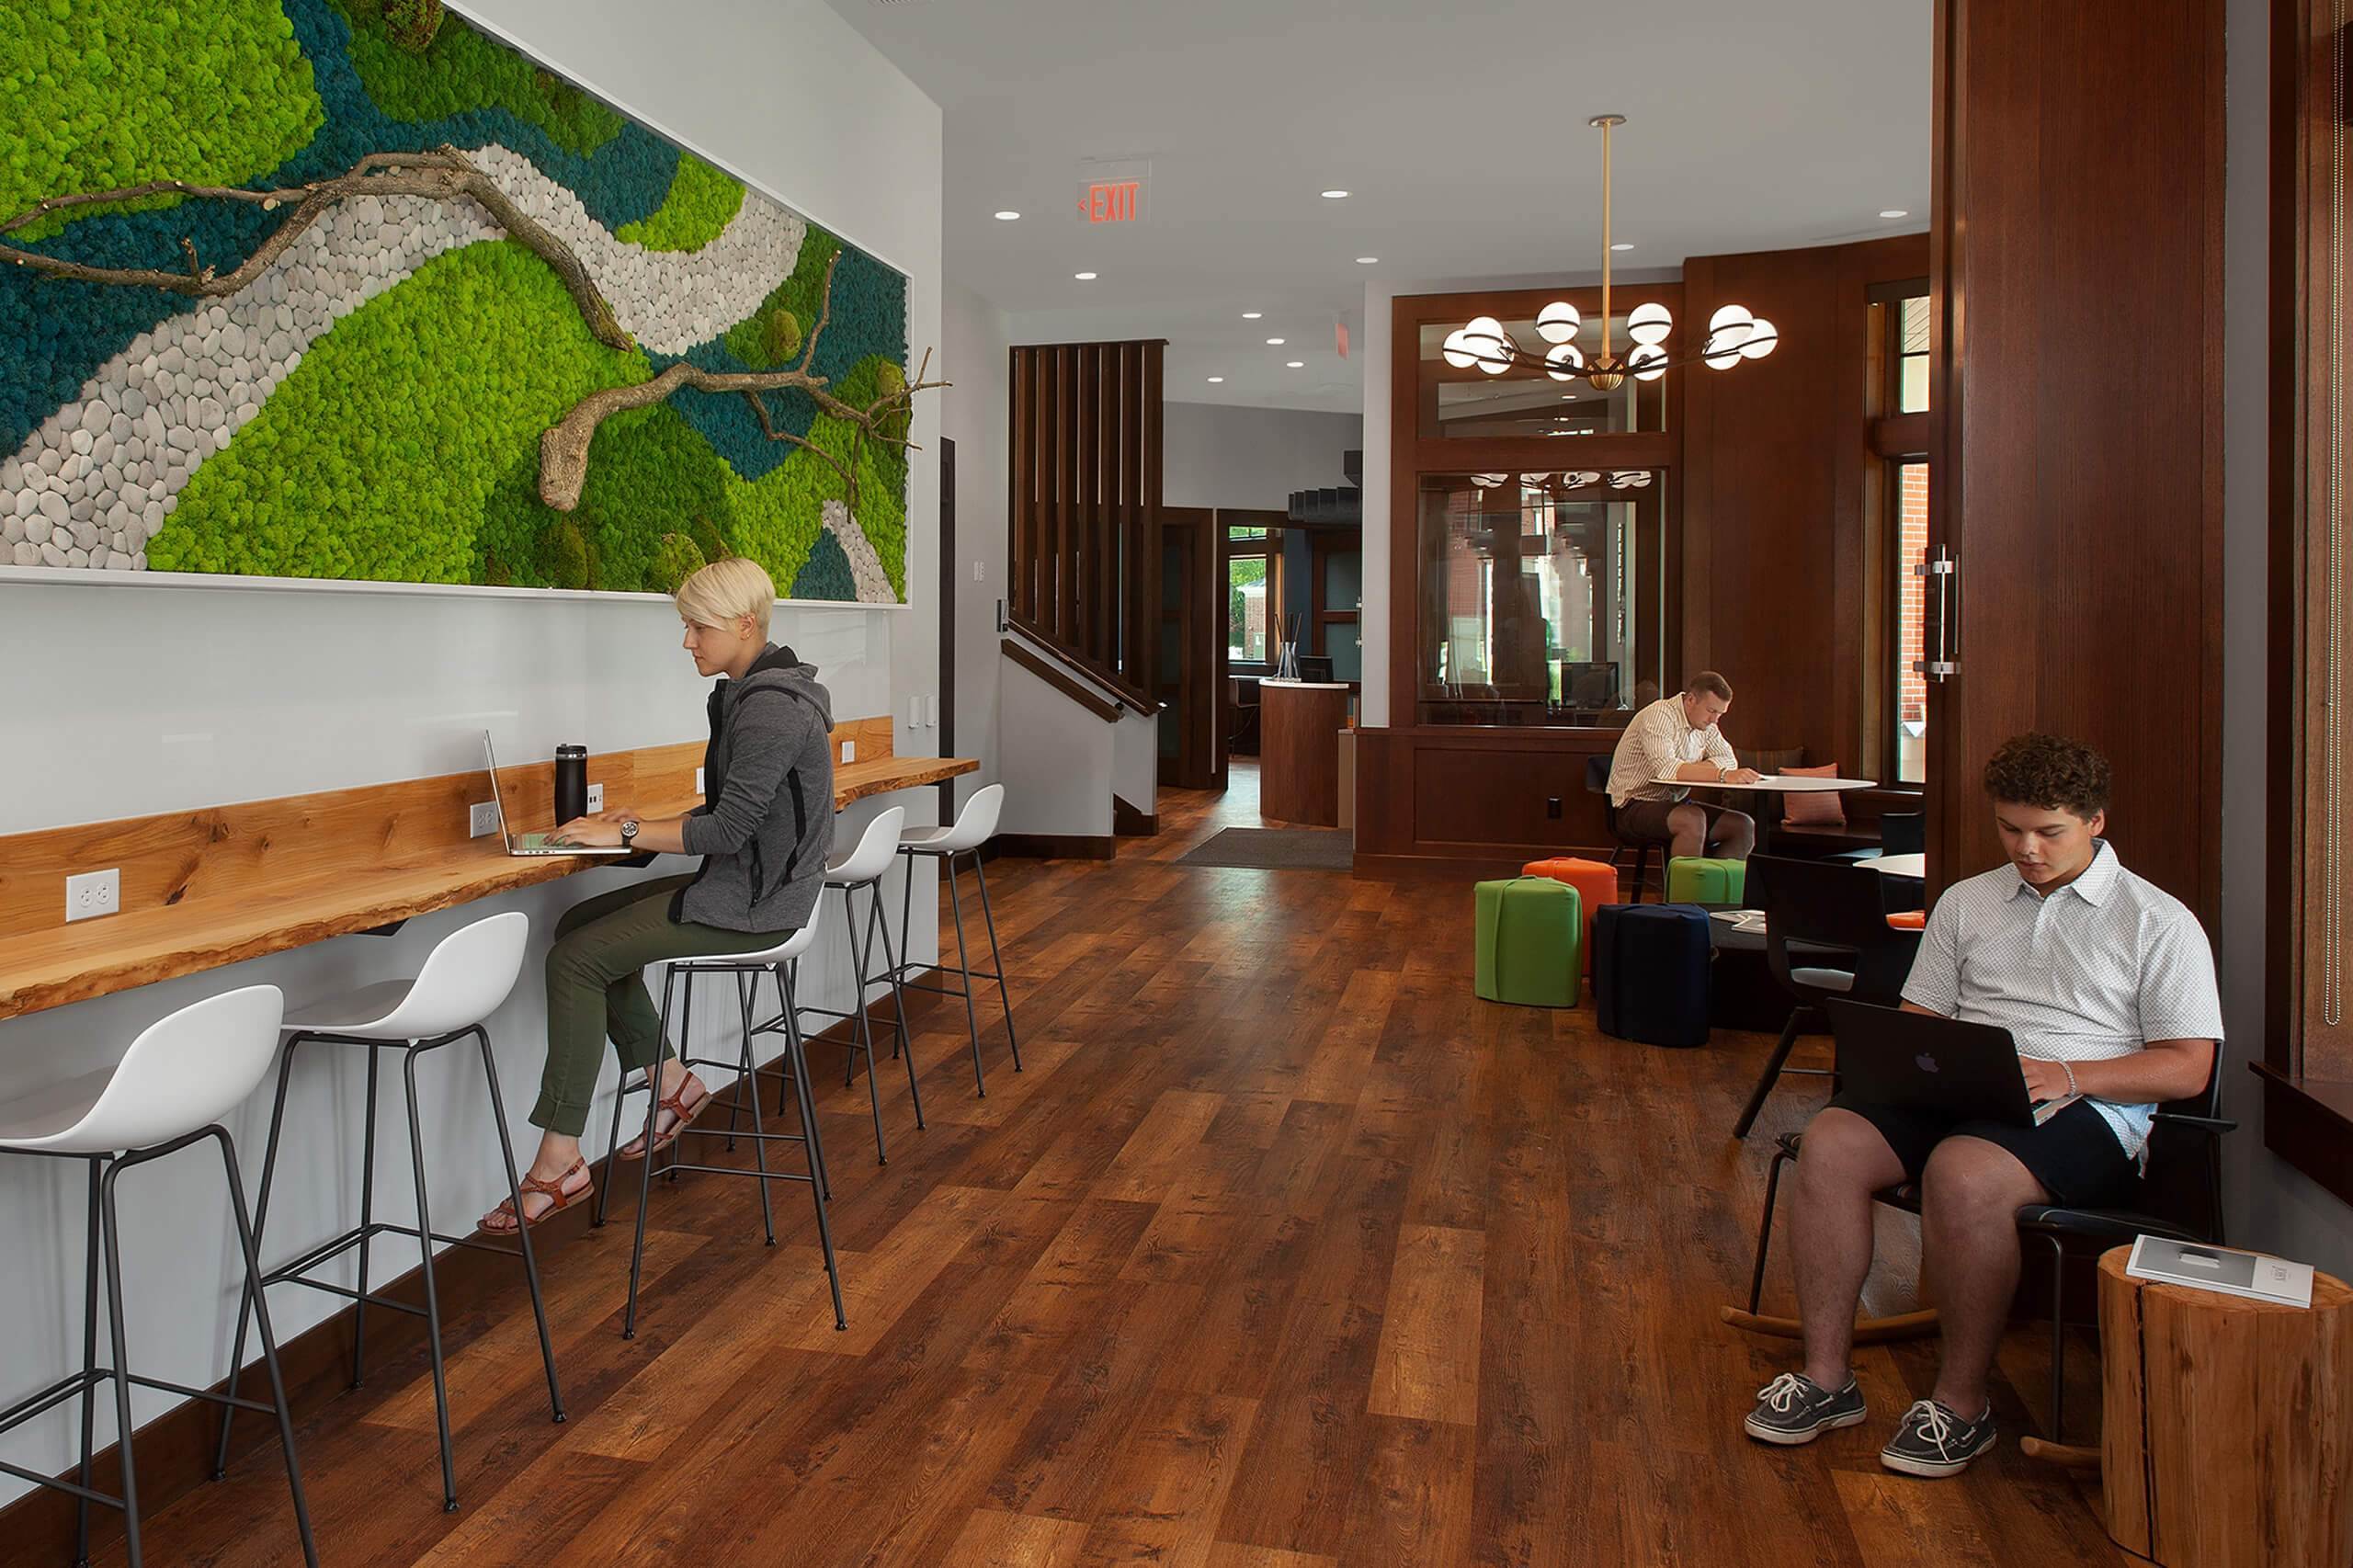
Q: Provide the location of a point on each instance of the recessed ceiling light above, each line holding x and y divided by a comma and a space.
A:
1252, 315
1215, 379
1367, 260
1623, 245
1895, 212
1083, 277
1274, 342
1295, 365
1007, 216
1336, 196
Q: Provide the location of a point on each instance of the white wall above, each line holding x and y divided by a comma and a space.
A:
977, 336
1135, 760
185, 695
1216, 456
1058, 760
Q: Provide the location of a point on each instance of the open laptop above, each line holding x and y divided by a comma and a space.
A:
528, 842
1920, 1061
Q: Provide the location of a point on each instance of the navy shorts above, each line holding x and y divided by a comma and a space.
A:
2074, 1154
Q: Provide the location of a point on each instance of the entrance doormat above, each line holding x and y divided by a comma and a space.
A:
1278, 849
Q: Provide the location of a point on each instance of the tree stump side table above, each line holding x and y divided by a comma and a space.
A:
2228, 1433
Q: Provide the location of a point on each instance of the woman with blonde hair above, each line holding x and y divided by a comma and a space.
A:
764, 830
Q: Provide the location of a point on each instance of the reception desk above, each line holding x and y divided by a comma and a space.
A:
1299, 773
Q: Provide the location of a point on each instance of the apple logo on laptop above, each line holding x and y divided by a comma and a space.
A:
1927, 1063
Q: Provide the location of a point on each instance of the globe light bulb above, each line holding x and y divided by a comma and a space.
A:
1631, 479
1557, 321
1563, 362
1728, 327
1486, 480
1650, 323
1458, 350
1484, 327
1721, 355
1581, 479
1648, 354
1762, 335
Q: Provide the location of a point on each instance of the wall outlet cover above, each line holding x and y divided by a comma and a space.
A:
980, 572
596, 797
92, 893
849, 751
698, 781
483, 820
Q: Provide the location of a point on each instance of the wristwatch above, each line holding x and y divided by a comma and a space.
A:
629, 834
1722, 774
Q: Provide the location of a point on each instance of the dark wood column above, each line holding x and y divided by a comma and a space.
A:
2077, 264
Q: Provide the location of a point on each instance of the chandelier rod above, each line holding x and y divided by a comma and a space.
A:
1605, 121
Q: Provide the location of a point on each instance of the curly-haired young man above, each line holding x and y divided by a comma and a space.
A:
2108, 985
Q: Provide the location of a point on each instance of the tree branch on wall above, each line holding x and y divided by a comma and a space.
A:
447, 176
443, 175
564, 450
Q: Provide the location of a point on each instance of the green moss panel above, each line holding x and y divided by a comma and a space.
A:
115, 93
462, 70
703, 201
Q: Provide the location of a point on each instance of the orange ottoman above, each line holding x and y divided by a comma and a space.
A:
1596, 881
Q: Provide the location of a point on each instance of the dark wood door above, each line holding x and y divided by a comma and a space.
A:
1190, 628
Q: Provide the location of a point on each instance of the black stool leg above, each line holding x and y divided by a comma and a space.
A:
432, 1296
877, 919
366, 1227
865, 1028
997, 956
685, 1049
652, 1115
1765, 1228
796, 1070
261, 1217
2058, 1337
963, 971
742, 1076
91, 1248
522, 1231
250, 1248
797, 1065
1772, 1073
613, 1144
111, 1237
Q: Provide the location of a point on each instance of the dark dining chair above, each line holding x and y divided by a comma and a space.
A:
1597, 781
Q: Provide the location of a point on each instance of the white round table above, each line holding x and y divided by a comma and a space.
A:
1773, 784
1898, 865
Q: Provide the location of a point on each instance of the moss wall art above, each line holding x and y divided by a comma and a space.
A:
490, 331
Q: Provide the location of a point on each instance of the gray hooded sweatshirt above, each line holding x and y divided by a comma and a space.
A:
766, 826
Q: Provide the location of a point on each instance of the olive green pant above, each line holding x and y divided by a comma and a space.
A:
597, 989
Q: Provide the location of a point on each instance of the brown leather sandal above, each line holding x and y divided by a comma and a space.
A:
500, 1222
674, 1104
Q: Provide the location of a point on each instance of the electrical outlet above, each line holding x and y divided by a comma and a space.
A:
980, 572
92, 893
483, 820
1552, 806
698, 781
849, 751
596, 798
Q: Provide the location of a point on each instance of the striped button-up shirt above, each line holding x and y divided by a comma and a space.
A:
1659, 740
2095, 971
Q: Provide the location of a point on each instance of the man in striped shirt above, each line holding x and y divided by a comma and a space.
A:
1677, 737
2107, 983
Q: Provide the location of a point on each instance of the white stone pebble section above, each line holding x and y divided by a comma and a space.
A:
864, 562
95, 483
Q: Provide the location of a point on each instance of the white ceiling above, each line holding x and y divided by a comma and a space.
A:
1459, 126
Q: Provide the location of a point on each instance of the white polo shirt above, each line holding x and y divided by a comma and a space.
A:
1657, 741
2094, 971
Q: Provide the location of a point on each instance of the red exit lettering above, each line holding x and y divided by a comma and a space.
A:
1110, 203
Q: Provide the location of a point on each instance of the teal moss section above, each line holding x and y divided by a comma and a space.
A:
702, 202
461, 70
104, 97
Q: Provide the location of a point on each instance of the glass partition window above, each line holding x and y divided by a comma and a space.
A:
1911, 355
1523, 401
1910, 492
1541, 598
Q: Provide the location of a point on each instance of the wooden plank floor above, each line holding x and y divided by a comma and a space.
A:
1284, 1252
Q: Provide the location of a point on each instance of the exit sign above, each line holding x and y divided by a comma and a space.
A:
1114, 192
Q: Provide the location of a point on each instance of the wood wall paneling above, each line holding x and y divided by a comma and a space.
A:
2077, 261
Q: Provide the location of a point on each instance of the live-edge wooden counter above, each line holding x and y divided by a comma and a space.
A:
206, 888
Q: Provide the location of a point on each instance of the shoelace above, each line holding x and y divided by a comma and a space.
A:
1934, 1424
1784, 1393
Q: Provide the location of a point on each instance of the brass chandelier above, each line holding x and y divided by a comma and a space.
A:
1733, 335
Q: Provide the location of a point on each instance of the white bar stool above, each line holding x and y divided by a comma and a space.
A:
179, 1077
782, 961
974, 827
864, 867
465, 979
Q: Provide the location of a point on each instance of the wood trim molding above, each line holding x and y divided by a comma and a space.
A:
1109, 685
1054, 675
1056, 846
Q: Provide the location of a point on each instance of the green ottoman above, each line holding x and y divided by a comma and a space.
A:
1531, 932
1691, 879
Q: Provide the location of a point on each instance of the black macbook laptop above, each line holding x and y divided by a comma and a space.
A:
1920, 1061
